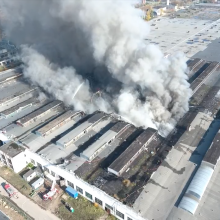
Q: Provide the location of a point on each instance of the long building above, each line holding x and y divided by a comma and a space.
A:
203, 76
10, 76
16, 96
93, 150
212, 156
28, 119
58, 122
200, 181
17, 108
128, 156
133, 173
80, 130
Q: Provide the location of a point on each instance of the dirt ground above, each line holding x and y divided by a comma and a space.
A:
24, 187
56, 206
48, 204
83, 209
10, 212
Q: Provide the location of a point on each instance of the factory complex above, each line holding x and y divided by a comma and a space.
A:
131, 172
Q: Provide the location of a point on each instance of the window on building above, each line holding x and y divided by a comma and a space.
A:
32, 161
98, 201
46, 169
11, 166
119, 214
80, 190
9, 161
108, 206
88, 195
53, 174
130, 218
3, 157
4, 161
70, 184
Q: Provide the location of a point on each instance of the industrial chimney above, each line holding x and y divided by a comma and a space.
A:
168, 2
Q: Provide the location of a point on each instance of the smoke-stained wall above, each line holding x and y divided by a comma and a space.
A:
98, 44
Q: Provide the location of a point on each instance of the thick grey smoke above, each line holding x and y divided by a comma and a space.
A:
98, 44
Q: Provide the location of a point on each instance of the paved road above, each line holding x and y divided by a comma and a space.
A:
28, 206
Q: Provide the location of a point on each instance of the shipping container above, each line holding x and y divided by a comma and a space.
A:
38, 183
72, 192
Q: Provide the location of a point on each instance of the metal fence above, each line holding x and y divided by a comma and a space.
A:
11, 204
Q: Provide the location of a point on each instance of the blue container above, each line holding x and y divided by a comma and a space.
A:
72, 192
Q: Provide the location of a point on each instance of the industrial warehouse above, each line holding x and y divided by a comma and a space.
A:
62, 141
125, 169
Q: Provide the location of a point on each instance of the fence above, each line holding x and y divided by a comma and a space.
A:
11, 204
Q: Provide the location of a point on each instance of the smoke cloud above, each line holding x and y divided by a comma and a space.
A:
85, 46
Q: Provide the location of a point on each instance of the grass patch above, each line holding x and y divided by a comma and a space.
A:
15, 180
83, 210
111, 217
30, 165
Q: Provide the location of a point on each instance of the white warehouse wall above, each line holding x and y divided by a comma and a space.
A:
95, 192
19, 162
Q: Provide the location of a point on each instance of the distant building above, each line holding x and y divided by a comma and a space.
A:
159, 10
172, 7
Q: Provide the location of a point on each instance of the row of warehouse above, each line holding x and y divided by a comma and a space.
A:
11, 153
80, 130
61, 141
209, 104
201, 179
202, 70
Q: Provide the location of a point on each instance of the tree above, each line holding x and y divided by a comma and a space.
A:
148, 17
149, 13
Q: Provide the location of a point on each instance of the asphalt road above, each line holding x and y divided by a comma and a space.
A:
28, 206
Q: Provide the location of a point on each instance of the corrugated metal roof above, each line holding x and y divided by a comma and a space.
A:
200, 181
93, 148
188, 204
196, 189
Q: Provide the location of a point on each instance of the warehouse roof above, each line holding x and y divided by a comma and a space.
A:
96, 118
197, 82
9, 76
196, 189
94, 148
18, 107
106, 138
15, 96
211, 102
69, 137
126, 156
11, 149
193, 63
59, 121
34, 115
119, 126
213, 154
27, 174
